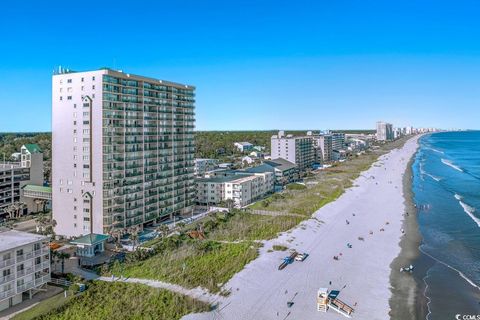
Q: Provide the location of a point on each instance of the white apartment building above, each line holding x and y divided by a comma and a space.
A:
24, 266
297, 150
243, 146
122, 150
243, 188
384, 131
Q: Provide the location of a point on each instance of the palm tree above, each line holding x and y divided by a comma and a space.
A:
116, 233
133, 236
61, 256
163, 229
230, 203
38, 202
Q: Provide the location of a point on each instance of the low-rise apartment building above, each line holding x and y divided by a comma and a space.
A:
24, 266
243, 146
241, 187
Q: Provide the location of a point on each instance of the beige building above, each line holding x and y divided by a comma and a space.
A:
24, 266
123, 150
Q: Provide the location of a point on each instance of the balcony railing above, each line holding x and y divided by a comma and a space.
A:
41, 266
25, 286
21, 273
42, 280
6, 263
6, 279
7, 294
25, 256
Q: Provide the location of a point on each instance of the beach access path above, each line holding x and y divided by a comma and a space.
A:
361, 273
195, 293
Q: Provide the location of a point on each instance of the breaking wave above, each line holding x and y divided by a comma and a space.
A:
470, 210
450, 164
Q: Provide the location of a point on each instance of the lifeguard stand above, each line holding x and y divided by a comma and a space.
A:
322, 299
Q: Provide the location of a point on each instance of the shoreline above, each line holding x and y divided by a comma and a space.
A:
261, 291
408, 300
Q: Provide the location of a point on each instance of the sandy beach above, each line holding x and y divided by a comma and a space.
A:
362, 273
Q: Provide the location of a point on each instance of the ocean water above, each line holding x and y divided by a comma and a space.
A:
446, 188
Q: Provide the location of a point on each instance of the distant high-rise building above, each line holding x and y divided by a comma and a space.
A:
323, 147
338, 141
384, 131
122, 150
297, 150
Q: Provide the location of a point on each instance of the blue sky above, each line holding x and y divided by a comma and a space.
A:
256, 64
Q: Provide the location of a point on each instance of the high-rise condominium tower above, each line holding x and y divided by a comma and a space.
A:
122, 150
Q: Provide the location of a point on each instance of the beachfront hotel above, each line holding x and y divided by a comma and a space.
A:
298, 150
122, 151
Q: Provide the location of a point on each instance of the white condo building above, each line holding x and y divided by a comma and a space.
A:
122, 151
24, 266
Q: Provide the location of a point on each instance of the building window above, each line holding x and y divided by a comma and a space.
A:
69, 81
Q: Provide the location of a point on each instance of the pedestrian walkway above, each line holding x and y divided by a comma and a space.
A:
197, 293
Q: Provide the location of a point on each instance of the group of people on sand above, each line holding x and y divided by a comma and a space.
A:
349, 245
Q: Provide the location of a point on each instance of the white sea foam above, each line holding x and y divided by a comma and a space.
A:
436, 150
450, 267
470, 210
433, 177
450, 164
458, 197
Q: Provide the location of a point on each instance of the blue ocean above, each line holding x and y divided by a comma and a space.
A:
446, 188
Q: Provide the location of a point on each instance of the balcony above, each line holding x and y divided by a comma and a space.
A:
6, 279
25, 286
7, 294
6, 263
25, 256
42, 280
21, 273
41, 266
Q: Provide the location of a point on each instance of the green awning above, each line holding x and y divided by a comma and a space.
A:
90, 239
34, 188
